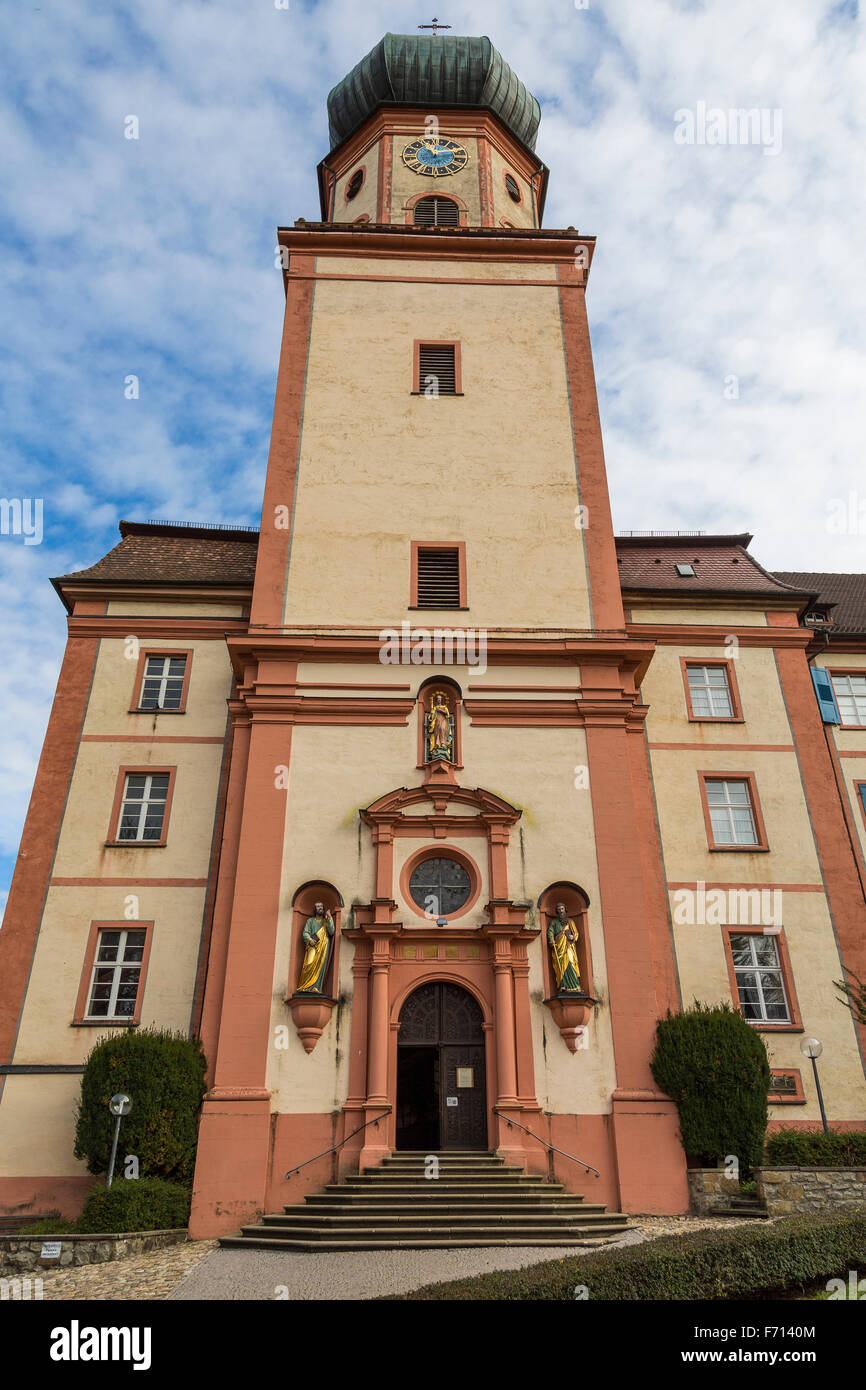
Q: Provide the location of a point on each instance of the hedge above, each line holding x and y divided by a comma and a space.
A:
797, 1148
714, 1065
708, 1264
135, 1204
163, 1073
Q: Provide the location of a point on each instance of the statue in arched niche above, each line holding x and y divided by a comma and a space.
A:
316, 937
439, 729
562, 937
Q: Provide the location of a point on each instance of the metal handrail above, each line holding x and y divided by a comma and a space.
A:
551, 1148
334, 1147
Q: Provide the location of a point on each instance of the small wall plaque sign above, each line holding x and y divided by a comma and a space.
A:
450, 1100
466, 1077
50, 1250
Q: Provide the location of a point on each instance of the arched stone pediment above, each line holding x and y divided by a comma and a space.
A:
445, 798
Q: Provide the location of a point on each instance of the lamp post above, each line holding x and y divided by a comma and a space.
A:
119, 1105
812, 1048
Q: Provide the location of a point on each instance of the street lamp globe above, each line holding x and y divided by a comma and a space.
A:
811, 1047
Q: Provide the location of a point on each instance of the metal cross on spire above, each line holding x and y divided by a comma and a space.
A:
435, 26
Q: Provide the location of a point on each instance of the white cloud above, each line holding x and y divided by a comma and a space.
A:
155, 257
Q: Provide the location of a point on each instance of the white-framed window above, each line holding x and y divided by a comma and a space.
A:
142, 811
850, 692
760, 985
732, 815
116, 973
710, 692
162, 684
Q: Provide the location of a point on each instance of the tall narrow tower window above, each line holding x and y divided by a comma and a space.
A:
437, 365
437, 212
438, 576
355, 183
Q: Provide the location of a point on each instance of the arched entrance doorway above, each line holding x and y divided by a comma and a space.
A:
441, 1086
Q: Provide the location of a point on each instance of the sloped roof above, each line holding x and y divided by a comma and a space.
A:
722, 564
165, 553
418, 69
846, 591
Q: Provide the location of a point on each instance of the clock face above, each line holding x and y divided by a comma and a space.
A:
435, 156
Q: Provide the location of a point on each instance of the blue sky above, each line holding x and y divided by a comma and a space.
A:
155, 258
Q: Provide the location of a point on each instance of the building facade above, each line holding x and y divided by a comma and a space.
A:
351, 796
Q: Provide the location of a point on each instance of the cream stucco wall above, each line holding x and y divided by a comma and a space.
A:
765, 719
465, 184
814, 965
210, 684
380, 466
364, 202
325, 839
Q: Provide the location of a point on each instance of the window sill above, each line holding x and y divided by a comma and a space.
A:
437, 395
105, 1022
716, 719
135, 844
738, 849
449, 608
760, 1027
156, 711
785, 1100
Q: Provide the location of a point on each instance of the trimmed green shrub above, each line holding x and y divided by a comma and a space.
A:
714, 1065
742, 1262
163, 1073
47, 1227
797, 1148
135, 1204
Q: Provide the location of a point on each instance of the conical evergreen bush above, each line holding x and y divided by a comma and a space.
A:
714, 1065
163, 1073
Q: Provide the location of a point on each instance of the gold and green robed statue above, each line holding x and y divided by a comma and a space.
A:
562, 936
316, 937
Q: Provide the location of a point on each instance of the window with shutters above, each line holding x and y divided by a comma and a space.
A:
850, 691
731, 811
142, 802
436, 211
438, 575
711, 690
436, 369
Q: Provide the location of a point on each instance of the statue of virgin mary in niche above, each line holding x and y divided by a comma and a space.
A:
439, 729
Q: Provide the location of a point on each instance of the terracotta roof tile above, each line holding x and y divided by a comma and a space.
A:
846, 591
721, 564
153, 553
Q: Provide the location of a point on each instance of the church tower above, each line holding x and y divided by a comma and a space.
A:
440, 919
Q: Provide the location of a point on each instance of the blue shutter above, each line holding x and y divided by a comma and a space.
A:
826, 699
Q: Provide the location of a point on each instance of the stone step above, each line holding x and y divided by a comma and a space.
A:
563, 1207
494, 1180
757, 1212
491, 1167
405, 1230
418, 1242
274, 1221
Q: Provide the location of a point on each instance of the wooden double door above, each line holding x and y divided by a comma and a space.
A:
441, 1081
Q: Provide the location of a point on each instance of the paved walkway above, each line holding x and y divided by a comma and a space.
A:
200, 1270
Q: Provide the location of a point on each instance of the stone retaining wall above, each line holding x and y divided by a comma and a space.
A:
789, 1190
21, 1253
710, 1187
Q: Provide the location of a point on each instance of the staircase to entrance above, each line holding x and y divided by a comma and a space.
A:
476, 1200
